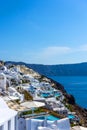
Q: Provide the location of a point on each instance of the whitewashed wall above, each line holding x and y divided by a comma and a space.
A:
9, 126
2, 81
22, 124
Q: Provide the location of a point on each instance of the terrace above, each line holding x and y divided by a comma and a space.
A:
44, 120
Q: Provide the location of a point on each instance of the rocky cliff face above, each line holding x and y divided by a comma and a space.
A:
70, 100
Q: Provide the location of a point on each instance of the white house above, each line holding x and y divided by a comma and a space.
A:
2, 81
3, 69
35, 124
13, 92
8, 117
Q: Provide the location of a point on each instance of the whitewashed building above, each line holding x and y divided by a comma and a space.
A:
13, 92
2, 81
36, 124
8, 117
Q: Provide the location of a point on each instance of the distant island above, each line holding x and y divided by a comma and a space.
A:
79, 69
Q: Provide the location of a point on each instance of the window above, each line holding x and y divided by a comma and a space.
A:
16, 123
9, 125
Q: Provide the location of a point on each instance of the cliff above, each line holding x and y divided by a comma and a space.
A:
70, 100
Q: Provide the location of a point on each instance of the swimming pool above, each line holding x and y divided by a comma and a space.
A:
70, 116
57, 94
53, 118
49, 117
45, 95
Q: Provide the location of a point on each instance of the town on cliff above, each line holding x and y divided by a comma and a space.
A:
30, 100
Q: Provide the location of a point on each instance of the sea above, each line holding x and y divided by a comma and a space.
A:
75, 85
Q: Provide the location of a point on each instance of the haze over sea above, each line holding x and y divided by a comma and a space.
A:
75, 85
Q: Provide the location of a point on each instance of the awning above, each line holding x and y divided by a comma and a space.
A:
33, 104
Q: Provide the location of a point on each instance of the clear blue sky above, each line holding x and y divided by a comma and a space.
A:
43, 31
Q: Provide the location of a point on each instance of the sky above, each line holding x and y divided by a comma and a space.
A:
43, 31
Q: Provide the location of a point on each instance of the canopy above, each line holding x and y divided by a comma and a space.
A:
33, 104
83, 128
78, 128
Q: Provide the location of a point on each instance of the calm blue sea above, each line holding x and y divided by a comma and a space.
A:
75, 85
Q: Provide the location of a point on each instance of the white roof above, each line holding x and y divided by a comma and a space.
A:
5, 112
13, 98
59, 109
52, 99
3, 104
12, 89
2, 74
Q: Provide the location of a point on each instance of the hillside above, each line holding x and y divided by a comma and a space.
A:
68, 101
79, 69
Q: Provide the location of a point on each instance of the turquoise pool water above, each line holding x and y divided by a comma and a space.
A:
70, 116
49, 117
54, 118
57, 94
46, 95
